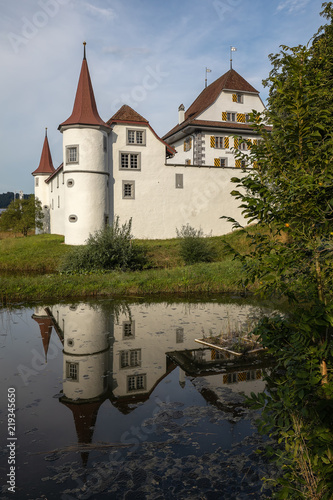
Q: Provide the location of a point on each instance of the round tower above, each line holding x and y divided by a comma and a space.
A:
41, 189
86, 175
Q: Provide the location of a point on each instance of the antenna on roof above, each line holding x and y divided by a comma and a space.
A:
84, 50
207, 71
45, 131
232, 49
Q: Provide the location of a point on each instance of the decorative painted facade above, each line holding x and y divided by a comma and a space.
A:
122, 168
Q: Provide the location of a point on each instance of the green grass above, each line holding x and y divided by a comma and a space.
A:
33, 254
28, 271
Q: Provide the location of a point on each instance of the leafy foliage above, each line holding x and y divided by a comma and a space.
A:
22, 216
289, 194
110, 248
297, 409
194, 247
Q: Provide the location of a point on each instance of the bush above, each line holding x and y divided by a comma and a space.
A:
109, 248
194, 247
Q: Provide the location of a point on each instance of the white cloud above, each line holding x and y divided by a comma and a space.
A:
292, 5
99, 11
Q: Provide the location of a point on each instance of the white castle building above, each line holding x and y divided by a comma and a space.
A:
122, 168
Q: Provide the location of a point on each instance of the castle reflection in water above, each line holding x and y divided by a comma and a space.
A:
121, 353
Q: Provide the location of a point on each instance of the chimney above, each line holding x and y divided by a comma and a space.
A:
181, 113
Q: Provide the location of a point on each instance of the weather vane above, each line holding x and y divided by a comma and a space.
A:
232, 49
207, 71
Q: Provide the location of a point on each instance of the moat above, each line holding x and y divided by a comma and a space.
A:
118, 400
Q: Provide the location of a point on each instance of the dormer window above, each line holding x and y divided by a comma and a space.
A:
136, 137
237, 97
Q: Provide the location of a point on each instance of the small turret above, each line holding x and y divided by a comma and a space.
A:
42, 172
86, 170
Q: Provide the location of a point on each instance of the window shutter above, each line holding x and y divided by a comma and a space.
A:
236, 142
184, 145
255, 142
217, 162
238, 163
249, 143
234, 98
224, 116
226, 142
190, 143
241, 117
212, 141
255, 164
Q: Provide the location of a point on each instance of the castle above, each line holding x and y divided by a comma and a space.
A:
123, 168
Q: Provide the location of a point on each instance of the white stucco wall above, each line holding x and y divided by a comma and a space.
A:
224, 103
86, 342
87, 198
159, 207
57, 203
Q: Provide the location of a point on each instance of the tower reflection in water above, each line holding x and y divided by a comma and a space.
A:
120, 353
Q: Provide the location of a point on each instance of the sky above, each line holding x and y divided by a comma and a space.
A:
149, 54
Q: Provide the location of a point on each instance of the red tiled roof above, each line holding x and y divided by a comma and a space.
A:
231, 80
84, 109
45, 165
213, 124
45, 326
128, 115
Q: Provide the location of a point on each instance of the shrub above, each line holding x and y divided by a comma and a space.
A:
109, 248
193, 246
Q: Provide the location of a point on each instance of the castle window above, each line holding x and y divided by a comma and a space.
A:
72, 218
187, 161
130, 358
128, 190
136, 137
72, 371
237, 98
36, 181
128, 329
231, 117
104, 143
220, 142
220, 162
179, 181
70, 183
72, 154
179, 335
130, 161
187, 144
58, 201
136, 383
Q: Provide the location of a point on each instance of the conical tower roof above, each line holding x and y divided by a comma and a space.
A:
45, 165
84, 109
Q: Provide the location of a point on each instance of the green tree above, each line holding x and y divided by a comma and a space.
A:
289, 195
22, 216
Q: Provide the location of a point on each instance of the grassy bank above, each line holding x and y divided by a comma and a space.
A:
28, 271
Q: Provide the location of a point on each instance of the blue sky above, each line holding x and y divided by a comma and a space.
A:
150, 54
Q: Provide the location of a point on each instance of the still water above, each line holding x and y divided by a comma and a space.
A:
118, 400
